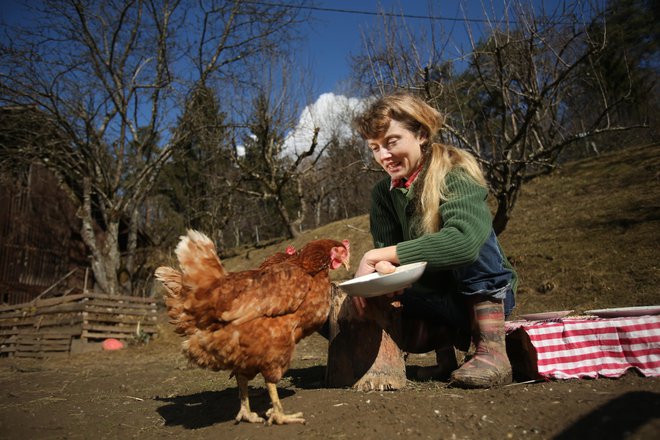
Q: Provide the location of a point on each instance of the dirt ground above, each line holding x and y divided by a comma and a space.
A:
586, 237
150, 392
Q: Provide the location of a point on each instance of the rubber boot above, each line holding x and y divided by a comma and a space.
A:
490, 365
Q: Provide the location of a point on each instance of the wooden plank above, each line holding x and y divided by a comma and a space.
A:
24, 348
45, 321
114, 328
16, 325
121, 304
24, 354
113, 317
44, 338
92, 309
92, 335
138, 301
123, 298
59, 300
40, 354
42, 347
117, 335
34, 311
56, 332
42, 303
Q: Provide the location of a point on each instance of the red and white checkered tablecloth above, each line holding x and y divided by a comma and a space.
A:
571, 348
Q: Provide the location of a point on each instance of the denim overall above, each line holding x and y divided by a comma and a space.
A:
441, 295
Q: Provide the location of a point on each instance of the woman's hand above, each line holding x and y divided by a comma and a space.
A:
385, 267
375, 256
381, 260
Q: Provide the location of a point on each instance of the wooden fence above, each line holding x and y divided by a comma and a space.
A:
74, 323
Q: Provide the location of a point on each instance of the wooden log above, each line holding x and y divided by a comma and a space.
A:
364, 353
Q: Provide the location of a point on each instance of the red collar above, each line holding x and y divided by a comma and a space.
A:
405, 183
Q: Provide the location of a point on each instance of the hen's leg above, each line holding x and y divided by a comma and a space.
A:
245, 413
276, 413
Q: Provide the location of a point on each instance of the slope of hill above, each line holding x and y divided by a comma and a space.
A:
586, 236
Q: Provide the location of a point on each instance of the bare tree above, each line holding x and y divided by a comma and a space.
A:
111, 76
270, 173
511, 105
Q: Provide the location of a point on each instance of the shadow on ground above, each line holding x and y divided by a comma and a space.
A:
207, 408
618, 418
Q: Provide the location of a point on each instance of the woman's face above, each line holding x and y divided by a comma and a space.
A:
398, 151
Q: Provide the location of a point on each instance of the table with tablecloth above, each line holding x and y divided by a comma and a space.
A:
584, 347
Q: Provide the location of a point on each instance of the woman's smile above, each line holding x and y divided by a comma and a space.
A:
398, 151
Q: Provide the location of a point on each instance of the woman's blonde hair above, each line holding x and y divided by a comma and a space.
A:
438, 159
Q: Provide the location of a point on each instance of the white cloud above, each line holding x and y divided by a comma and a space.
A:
331, 113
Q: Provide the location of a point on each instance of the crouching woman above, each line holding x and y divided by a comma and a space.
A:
432, 207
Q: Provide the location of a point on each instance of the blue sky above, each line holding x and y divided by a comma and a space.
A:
336, 35
335, 31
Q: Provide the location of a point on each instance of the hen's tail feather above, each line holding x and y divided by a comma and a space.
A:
174, 299
200, 270
200, 265
171, 280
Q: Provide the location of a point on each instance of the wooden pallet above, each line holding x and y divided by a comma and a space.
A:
61, 325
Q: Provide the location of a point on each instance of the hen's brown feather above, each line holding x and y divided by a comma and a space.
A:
250, 321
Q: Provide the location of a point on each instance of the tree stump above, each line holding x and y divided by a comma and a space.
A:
364, 353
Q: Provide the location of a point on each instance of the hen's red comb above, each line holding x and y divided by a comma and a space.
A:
290, 250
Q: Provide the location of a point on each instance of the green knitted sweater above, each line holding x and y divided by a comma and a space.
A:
466, 224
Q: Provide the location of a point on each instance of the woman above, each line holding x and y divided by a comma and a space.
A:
432, 207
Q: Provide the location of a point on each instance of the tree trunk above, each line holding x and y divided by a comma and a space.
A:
501, 217
364, 353
104, 246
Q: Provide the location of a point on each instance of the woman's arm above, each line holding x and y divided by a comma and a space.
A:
466, 225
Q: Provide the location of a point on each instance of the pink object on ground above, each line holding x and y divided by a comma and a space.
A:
112, 344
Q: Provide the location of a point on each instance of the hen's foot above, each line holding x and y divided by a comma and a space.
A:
245, 415
279, 418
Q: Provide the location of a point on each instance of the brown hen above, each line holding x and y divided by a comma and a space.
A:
249, 322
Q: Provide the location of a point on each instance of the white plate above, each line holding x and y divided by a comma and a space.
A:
625, 311
546, 315
376, 284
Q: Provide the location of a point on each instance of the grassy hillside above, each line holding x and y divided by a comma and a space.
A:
585, 237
